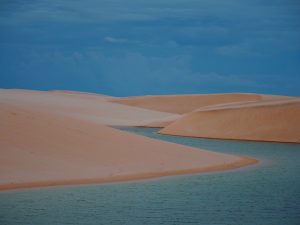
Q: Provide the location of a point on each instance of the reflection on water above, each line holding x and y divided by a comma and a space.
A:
264, 194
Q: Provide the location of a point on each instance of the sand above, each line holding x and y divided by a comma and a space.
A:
181, 104
61, 138
85, 106
270, 119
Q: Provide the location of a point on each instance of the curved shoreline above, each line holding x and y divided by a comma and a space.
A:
225, 139
243, 162
53, 139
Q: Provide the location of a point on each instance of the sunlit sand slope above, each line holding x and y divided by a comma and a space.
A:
266, 120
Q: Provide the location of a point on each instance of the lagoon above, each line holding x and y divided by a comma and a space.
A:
267, 193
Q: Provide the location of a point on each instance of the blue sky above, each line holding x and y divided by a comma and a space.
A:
140, 47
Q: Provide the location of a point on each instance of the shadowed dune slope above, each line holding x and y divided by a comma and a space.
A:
185, 103
86, 106
267, 120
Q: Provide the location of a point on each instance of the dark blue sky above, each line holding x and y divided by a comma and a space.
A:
138, 47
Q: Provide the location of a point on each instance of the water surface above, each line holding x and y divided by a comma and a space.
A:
259, 195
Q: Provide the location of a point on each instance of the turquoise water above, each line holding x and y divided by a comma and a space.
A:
260, 195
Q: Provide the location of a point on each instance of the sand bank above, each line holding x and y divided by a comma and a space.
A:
244, 161
42, 143
271, 119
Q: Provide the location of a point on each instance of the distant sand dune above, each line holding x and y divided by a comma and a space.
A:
272, 119
85, 106
185, 103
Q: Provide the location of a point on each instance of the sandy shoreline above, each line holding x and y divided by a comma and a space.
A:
63, 138
243, 162
224, 139
268, 121
230, 116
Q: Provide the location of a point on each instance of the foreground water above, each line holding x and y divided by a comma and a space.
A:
260, 195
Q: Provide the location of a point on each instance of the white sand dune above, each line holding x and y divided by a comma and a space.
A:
56, 138
271, 119
85, 106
